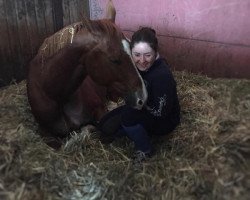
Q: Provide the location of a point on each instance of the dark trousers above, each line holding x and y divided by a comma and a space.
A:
138, 125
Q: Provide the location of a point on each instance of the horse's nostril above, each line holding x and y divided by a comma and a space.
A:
140, 102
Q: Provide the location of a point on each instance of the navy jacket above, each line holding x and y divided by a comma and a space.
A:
162, 104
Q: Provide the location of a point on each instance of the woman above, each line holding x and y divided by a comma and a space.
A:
162, 112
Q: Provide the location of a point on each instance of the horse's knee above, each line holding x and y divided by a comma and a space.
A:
60, 128
50, 139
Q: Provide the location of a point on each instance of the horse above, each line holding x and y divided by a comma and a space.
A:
77, 70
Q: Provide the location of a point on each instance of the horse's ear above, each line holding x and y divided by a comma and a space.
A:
110, 11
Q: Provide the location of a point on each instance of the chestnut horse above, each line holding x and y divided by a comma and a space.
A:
77, 70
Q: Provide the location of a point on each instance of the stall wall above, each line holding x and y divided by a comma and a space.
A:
209, 37
23, 26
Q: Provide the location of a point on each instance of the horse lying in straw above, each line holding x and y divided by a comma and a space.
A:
77, 70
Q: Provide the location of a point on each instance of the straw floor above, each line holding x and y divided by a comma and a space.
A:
206, 157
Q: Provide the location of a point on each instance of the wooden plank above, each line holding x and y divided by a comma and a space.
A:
32, 27
4, 32
73, 11
23, 26
14, 69
23, 30
66, 12
57, 10
40, 18
5, 45
48, 15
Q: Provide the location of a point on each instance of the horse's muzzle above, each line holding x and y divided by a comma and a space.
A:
140, 103
136, 99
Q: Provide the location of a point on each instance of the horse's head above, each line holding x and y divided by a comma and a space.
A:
109, 62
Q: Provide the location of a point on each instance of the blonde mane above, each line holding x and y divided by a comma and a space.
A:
60, 39
98, 28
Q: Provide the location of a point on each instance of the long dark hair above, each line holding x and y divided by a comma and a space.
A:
145, 34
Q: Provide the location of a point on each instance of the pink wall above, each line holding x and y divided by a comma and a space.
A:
209, 37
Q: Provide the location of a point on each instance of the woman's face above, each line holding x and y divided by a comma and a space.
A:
143, 55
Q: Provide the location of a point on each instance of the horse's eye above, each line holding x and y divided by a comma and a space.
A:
116, 61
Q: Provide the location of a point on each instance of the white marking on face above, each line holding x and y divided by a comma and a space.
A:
126, 47
144, 94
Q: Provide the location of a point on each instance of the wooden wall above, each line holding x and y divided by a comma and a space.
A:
23, 26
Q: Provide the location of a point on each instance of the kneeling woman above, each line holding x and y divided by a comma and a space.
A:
161, 114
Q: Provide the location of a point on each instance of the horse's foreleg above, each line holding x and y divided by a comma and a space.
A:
76, 112
47, 112
61, 82
76, 79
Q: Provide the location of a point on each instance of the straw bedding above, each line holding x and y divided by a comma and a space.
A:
206, 157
